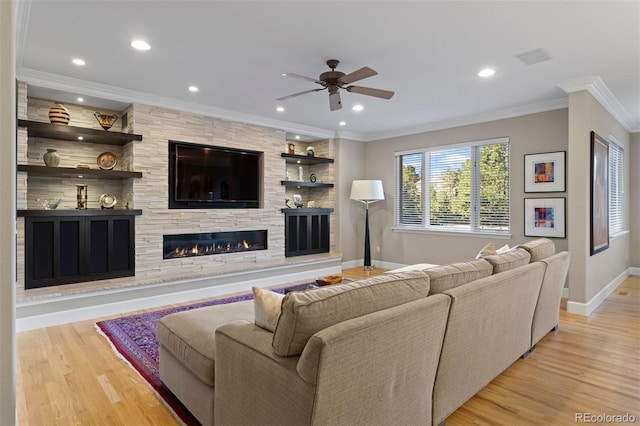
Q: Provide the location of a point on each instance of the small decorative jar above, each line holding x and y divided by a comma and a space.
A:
310, 151
51, 158
59, 114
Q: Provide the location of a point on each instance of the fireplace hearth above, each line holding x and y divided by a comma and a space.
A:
210, 243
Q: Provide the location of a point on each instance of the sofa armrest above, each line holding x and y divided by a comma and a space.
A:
547, 313
253, 385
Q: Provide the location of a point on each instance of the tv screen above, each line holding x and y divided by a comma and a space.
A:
202, 176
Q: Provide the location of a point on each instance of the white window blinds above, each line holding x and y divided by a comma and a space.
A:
616, 188
459, 188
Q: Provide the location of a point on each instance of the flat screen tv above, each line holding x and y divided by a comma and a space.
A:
202, 176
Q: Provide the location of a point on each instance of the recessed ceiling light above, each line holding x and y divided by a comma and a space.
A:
78, 61
343, 123
297, 136
357, 107
80, 138
80, 99
140, 45
280, 109
487, 72
193, 89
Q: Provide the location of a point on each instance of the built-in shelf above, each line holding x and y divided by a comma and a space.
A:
71, 133
299, 184
78, 212
307, 210
72, 172
305, 159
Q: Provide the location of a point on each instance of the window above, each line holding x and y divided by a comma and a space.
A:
461, 188
616, 188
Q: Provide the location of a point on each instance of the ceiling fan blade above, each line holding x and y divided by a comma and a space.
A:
298, 94
302, 77
378, 93
360, 74
334, 101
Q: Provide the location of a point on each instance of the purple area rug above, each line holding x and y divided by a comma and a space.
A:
133, 338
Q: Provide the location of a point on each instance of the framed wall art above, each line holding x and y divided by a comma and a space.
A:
545, 217
545, 172
599, 194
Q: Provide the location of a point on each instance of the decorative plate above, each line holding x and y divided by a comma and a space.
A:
107, 160
107, 201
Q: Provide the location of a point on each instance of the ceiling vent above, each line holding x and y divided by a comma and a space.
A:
534, 56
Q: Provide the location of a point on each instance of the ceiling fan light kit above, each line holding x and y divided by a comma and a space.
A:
334, 80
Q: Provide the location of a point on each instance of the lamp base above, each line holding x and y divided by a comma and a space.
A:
368, 268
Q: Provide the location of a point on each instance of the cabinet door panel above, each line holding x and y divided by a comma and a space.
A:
41, 258
70, 244
98, 246
121, 258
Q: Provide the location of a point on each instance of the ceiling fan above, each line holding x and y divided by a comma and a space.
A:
334, 80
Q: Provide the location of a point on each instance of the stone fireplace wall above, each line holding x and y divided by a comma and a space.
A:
150, 193
158, 126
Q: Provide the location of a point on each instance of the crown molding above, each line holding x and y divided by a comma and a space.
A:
23, 11
473, 119
596, 87
68, 84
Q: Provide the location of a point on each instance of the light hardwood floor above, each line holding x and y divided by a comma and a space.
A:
68, 374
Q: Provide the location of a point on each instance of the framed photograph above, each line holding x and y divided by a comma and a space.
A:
545, 172
599, 194
545, 217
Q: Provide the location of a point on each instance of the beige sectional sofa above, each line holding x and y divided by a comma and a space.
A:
407, 348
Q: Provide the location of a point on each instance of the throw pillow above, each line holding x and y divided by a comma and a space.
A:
267, 305
486, 251
505, 248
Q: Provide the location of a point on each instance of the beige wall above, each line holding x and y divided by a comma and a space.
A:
7, 213
634, 193
529, 134
350, 221
590, 274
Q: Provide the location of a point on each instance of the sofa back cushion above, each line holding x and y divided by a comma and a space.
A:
509, 260
307, 312
446, 277
540, 248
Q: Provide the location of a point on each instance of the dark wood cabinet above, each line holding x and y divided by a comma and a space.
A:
63, 249
307, 231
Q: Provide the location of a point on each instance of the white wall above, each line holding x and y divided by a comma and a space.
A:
7, 213
529, 134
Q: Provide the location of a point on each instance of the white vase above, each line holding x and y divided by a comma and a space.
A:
51, 158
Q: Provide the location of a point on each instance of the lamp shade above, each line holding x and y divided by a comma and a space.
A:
367, 190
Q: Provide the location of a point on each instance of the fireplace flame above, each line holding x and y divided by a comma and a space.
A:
199, 250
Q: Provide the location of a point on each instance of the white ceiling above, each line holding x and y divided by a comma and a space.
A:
428, 52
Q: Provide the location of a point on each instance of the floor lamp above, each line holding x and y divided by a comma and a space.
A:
367, 191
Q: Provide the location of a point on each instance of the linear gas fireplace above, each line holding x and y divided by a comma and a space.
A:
204, 244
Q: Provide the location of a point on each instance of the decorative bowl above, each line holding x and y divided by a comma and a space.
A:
47, 205
105, 120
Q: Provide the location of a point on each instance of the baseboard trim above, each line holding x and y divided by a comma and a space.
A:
586, 308
63, 310
634, 271
565, 292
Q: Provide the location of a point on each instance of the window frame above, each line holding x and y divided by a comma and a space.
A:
474, 221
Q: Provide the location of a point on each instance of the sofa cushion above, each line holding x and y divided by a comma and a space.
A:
267, 307
307, 312
446, 277
509, 260
540, 248
190, 335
